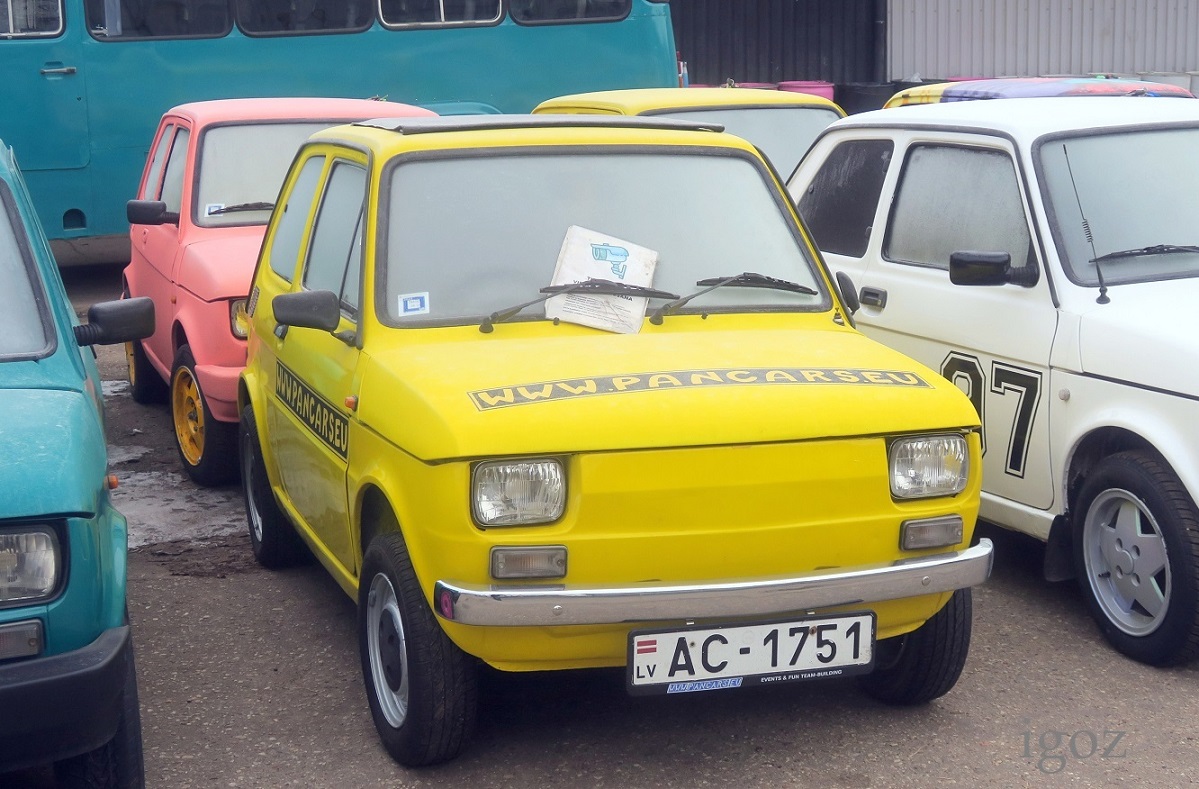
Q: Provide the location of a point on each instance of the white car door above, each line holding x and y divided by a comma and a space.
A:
934, 197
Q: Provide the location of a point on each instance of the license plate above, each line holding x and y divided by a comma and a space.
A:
710, 658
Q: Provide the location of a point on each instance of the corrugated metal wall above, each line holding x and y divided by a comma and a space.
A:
935, 39
776, 40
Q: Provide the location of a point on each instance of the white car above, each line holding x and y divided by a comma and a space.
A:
1041, 254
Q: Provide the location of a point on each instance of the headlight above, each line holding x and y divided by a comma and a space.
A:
520, 492
29, 565
927, 466
239, 322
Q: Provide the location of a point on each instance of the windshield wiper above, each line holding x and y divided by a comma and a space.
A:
1156, 249
747, 279
232, 209
598, 287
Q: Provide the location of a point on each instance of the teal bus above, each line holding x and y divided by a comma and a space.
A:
85, 81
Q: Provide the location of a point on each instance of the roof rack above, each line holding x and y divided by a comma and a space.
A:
454, 123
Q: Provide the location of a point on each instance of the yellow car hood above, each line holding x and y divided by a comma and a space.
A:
537, 389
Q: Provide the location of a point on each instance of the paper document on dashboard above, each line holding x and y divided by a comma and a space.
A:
587, 254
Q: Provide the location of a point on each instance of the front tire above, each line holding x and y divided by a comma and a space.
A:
1136, 552
207, 448
926, 663
146, 386
273, 539
118, 763
422, 689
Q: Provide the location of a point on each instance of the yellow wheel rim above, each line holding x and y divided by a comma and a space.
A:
129, 363
187, 410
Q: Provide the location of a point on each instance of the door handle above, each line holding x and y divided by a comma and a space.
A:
58, 70
873, 297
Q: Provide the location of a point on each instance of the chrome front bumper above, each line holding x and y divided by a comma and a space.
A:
551, 606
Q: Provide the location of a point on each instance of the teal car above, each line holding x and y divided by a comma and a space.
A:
68, 691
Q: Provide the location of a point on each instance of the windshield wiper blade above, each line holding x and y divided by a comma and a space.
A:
1155, 249
231, 209
747, 279
598, 287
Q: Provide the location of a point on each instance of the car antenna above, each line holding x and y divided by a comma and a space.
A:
1086, 229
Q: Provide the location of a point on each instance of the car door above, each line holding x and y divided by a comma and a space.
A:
154, 249
315, 371
939, 196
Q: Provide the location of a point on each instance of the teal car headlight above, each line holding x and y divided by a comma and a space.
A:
518, 492
30, 564
927, 466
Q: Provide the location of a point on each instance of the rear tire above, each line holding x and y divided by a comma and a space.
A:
118, 763
273, 539
422, 689
207, 448
926, 663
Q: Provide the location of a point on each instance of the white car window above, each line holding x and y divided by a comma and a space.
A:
952, 199
840, 202
1128, 199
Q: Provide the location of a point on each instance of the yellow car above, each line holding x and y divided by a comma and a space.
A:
565, 392
781, 123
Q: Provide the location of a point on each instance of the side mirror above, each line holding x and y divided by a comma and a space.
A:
849, 293
150, 212
308, 309
989, 268
979, 268
111, 322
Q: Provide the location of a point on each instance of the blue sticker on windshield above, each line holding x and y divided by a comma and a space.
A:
612, 254
414, 304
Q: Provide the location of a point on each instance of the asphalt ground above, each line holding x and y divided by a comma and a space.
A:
251, 678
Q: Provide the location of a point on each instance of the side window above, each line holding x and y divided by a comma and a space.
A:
435, 12
172, 180
22, 18
534, 11
951, 199
126, 20
274, 17
24, 318
293, 219
336, 247
840, 203
154, 175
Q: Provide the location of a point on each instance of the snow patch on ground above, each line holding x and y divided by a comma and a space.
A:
114, 388
162, 506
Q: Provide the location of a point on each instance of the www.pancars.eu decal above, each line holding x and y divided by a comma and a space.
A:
486, 399
330, 425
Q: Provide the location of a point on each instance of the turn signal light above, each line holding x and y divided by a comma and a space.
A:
547, 561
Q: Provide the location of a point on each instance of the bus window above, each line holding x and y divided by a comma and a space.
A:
271, 17
135, 19
534, 11
30, 18
414, 12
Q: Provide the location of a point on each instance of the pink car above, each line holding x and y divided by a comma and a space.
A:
206, 195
